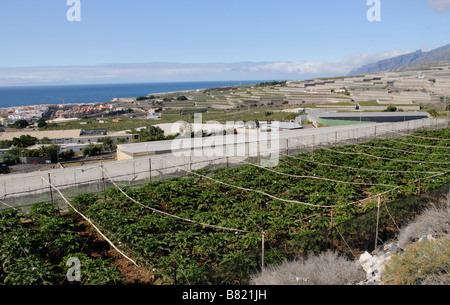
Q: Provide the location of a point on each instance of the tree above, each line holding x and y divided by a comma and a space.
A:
391, 108
41, 123
182, 98
46, 140
5, 144
20, 124
50, 152
67, 155
108, 143
24, 141
151, 133
92, 150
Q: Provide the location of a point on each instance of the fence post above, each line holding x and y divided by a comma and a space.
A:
262, 250
103, 177
331, 230
174, 262
313, 142
150, 170
378, 222
51, 188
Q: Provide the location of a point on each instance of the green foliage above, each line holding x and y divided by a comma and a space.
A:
20, 124
41, 123
108, 143
50, 152
272, 83
211, 256
5, 144
24, 141
94, 271
30, 253
421, 263
182, 98
151, 133
144, 98
433, 113
92, 150
391, 108
67, 155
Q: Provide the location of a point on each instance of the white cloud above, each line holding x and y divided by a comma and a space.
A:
439, 5
163, 72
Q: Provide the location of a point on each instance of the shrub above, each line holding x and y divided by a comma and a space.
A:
433, 221
424, 263
328, 268
92, 150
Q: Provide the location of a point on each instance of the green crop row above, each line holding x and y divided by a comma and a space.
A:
236, 198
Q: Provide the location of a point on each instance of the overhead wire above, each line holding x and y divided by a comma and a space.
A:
419, 137
90, 222
382, 158
395, 149
171, 215
360, 168
419, 145
316, 178
286, 200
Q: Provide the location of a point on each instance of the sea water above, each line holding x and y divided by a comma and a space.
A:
38, 95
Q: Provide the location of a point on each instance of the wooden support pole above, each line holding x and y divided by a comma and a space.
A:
313, 142
103, 178
51, 188
378, 222
174, 262
150, 170
420, 188
263, 234
331, 230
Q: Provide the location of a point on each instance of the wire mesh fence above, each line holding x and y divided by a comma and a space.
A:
24, 190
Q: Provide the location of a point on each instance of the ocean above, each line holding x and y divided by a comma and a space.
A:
38, 95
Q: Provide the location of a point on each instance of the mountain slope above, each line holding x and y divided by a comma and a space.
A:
416, 58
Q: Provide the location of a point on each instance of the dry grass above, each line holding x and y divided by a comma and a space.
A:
427, 262
327, 268
434, 221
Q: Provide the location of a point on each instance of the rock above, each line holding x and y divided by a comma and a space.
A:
300, 279
391, 248
374, 265
366, 256
426, 238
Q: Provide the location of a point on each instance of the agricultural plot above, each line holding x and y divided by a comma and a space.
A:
219, 227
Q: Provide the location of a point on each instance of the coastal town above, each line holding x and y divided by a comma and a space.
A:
74, 127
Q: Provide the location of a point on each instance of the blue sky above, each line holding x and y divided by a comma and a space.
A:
208, 40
